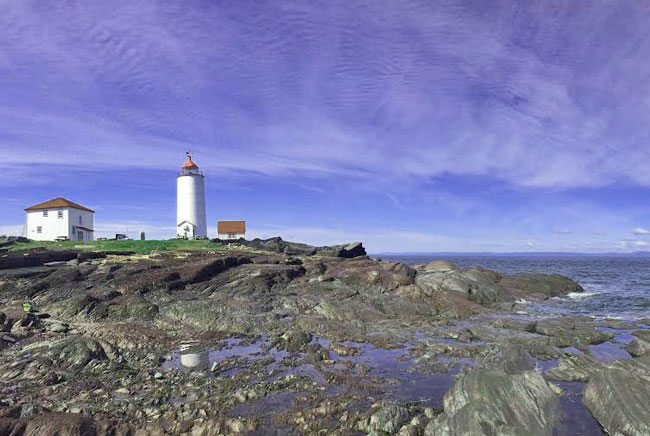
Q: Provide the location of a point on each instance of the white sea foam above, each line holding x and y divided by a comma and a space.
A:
580, 295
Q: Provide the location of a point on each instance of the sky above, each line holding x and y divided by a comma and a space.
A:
413, 126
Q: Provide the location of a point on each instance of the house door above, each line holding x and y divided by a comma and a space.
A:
80, 235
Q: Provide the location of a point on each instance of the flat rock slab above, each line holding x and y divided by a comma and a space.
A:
619, 397
492, 402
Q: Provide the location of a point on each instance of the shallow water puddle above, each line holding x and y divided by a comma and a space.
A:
403, 382
608, 351
575, 418
623, 336
192, 355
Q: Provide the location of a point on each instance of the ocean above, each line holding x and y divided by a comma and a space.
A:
615, 287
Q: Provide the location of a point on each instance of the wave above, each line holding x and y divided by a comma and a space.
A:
581, 295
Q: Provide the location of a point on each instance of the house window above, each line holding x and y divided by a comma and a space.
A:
60, 214
80, 221
74, 230
45, 213
39, 229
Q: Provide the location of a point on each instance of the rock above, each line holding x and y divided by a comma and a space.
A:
20, 259
73, 352
90, 255
344, 350
440, 265
278, 245
640, 345
618, 396
58, 328
476, 284
510, 359
158, 375
574, 368
514, 324
60, 424
492, 402
388, 419
566, 333
205, 271
538, 286
132, 308
293, 340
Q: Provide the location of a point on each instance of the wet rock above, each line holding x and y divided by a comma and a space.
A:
492, 402
617, 396
574, 368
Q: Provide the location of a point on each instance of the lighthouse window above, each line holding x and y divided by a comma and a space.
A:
39, 229
60, 214
45, 213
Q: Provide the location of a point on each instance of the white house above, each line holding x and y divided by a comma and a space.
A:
59, 218
190, 202
231, 229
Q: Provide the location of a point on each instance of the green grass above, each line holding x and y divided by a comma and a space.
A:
139, 247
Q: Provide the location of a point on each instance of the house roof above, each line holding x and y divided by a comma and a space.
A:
231, 226
57, 203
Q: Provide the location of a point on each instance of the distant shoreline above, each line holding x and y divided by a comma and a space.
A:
515, 254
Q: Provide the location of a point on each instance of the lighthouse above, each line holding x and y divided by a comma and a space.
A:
190, 201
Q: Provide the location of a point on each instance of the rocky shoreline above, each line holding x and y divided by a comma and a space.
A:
271, 337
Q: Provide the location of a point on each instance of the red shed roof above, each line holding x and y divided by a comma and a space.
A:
226, 227
57, 203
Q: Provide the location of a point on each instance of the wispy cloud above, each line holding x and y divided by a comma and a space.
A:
361, 91
640, 231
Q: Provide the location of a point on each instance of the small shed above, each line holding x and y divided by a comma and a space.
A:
231, 229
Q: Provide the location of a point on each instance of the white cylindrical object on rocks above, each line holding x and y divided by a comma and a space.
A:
190, 202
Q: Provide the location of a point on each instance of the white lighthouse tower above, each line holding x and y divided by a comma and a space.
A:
190, 201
